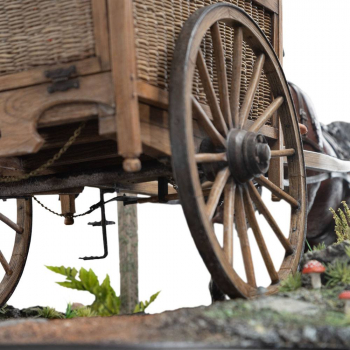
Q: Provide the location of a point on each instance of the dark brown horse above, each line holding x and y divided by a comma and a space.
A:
322, 195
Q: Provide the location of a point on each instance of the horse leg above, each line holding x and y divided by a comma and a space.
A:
215, 292
320, 226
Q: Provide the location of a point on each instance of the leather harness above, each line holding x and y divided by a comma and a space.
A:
318, 146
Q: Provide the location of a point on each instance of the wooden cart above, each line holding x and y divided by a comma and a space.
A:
179, 99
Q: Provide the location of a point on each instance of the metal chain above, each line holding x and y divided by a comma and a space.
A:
43, 167
61, 215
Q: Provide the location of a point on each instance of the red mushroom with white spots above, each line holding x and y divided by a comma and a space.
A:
346, 297
314, 268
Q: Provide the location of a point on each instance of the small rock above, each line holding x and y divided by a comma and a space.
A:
328, 255
310, 334
291, 306
76, 306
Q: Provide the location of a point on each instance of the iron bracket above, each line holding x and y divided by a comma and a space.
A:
103, 223
60, 79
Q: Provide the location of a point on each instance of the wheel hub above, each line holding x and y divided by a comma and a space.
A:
248, 154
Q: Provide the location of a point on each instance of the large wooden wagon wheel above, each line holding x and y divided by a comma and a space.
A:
14, 264
234, 155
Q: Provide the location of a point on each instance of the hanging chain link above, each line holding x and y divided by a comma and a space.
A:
62, 215
51, 161
43, 167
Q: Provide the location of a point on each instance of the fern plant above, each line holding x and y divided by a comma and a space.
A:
342, 220
106, 301
142, 306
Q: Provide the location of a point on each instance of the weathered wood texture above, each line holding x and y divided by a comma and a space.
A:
112, 177
21, 109
15, 265
124, 76
68, 207
128, 256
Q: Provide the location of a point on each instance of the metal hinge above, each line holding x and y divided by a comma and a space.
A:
60, 79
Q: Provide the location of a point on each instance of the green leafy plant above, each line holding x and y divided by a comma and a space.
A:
320, 246
70, 313
342, 220
291, 283
106, 301
142, 306
48, 312
338, 273
85, 311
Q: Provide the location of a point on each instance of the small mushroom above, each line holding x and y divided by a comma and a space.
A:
346, 297
314, 268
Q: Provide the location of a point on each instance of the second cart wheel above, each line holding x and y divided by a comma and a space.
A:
234, 157
14, 260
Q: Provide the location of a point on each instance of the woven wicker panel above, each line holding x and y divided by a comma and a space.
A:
44, 32
158, 24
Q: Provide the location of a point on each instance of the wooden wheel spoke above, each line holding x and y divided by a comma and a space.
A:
263, 181
229, 201
260, 205
210, 157
207, 184
206, 123
10, 223
218, 118
288, 152
221, 73
5, 264
269, 111
216, 191
249, 209
236, 75
241, 226
253, 85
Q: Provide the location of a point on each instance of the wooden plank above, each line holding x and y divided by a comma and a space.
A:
322, 162
124, 74
75, 154
21, 109
37, 75
280, 31
272, 5
152, 95
154, 130
100, 18
145, 188
113, 176
56, 137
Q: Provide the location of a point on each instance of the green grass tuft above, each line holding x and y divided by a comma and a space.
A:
49, 313
320, 246
85, 312
291, 283
338, 273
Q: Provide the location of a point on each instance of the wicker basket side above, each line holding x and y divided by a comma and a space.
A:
157, 26
45, 32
